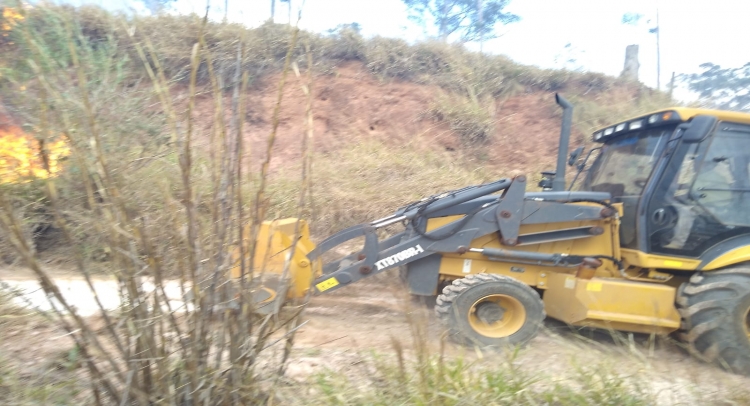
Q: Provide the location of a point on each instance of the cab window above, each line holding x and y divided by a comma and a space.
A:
721, 186
707, 200
623, 168
626, 163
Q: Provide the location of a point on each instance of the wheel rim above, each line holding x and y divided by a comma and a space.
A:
497, 316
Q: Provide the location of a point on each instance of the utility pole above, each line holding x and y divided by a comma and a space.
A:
658, 51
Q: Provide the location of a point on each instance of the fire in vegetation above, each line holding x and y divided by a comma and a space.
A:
8, 19
23, 158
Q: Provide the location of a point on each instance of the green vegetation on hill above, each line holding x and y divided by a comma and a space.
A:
452, 67
137, 135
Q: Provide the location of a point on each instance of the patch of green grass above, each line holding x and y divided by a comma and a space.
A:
471, 120
368, 180
39, 388
434, 380
599, 385
425, 375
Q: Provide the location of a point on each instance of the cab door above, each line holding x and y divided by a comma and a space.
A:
623, 169
702, 199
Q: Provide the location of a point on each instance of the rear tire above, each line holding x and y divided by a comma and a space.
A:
490, 310
715, 307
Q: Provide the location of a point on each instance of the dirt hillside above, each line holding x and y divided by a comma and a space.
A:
352, 105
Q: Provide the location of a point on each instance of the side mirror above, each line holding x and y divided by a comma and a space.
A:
574, 156
699, 128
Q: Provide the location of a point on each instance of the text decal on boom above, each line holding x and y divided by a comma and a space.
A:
398, 257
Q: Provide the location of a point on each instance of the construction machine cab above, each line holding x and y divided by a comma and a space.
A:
681, 176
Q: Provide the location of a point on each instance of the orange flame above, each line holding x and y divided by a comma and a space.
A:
21, 157
10, 17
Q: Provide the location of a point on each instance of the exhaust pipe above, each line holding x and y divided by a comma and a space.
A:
558, 183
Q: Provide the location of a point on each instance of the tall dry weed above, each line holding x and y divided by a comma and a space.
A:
166, 214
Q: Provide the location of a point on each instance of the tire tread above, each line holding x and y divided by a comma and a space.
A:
445, 301
708, 305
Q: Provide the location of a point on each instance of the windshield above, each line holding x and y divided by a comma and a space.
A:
625, 163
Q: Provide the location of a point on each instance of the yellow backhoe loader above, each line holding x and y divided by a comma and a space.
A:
650, 235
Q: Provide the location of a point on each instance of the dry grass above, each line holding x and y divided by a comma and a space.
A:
368, 180
472, 120
30, 204
138, 135
51, 388
421, 372
451, 66
152, 350
461, 382
56, 385
568, 369
604, 109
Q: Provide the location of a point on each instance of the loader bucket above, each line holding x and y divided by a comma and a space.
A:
275, 246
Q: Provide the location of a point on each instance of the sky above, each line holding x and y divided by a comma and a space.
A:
691, 31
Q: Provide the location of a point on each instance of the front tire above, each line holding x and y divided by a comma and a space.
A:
490, 310
715, 310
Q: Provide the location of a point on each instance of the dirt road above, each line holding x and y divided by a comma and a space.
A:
346, 325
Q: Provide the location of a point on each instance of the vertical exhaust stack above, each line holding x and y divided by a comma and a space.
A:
558, 183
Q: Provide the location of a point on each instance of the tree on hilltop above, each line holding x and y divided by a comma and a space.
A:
156, 6
724, 88
636, 20
471, 20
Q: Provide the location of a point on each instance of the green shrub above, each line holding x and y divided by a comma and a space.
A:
472, 121
414, 379
368, 179
450, 66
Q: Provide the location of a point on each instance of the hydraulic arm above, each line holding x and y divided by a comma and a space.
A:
499, 207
